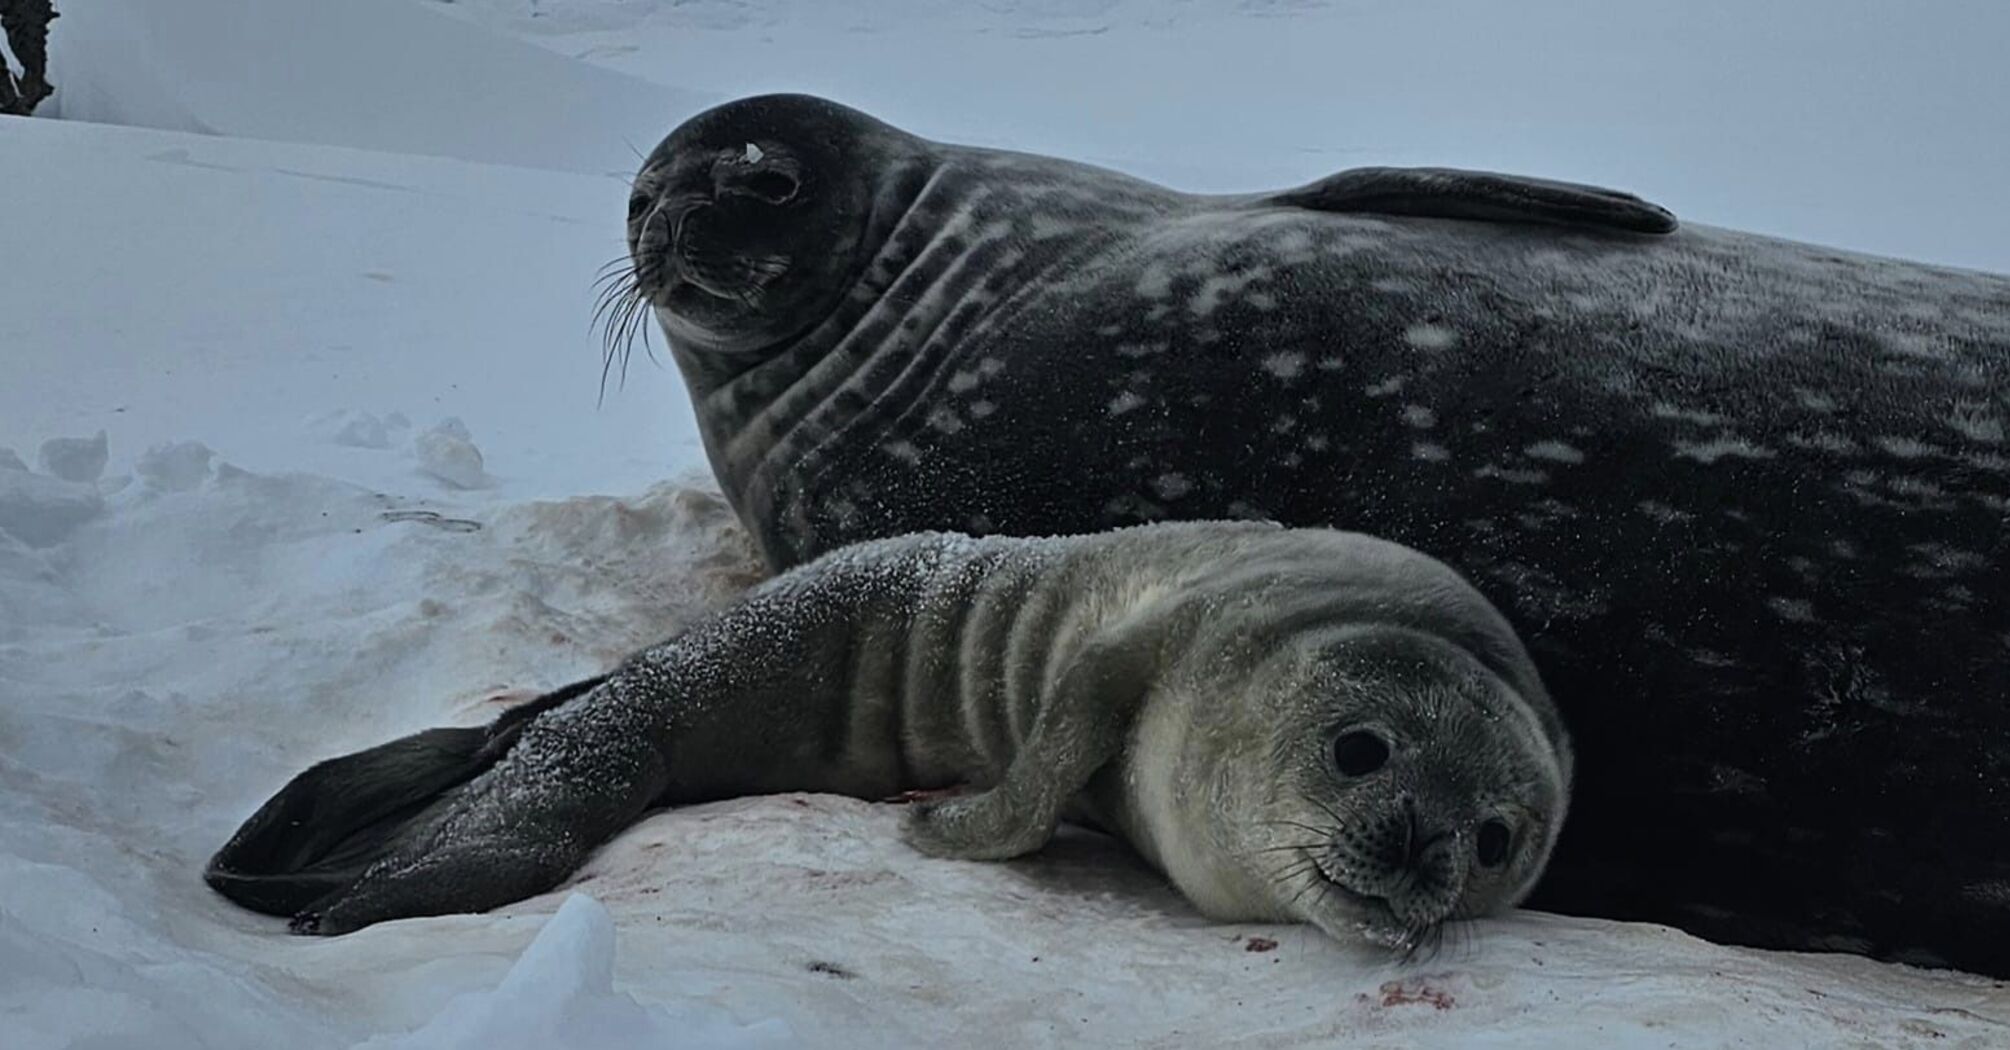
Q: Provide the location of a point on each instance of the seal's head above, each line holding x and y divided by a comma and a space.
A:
747, 221
1408, 785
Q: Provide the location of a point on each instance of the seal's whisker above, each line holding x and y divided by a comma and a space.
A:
1300, 825
1298, 846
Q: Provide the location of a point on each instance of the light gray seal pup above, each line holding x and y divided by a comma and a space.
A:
1746, 499
1298, 725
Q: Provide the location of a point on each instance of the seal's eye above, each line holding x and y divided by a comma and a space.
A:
771, 186
637, 204
1360, 752
1492, 847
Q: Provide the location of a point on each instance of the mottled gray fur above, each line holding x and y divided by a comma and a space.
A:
1747, 500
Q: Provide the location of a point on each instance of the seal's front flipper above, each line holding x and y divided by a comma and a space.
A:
1453, 193
1081, 725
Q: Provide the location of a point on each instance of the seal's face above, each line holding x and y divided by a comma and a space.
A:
745, 221
1430, 792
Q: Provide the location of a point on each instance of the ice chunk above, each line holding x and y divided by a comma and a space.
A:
176, 466
74, 459
560, 995
40, 511
9, 460
448, 453
359, 429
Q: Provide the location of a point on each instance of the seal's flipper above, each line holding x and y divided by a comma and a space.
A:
328, 825
1453, 193
322, 829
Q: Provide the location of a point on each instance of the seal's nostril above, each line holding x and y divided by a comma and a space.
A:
1491, 848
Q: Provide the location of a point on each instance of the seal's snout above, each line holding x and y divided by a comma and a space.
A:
1411, 862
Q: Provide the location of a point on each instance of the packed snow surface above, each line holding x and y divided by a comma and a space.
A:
300, 450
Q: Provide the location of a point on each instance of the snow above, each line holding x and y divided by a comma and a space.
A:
328, 306
559, 995
74, 459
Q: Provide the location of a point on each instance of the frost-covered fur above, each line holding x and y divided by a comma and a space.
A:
1182, 686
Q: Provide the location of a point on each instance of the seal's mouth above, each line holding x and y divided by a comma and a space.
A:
678, 261
684, 246
1377, 922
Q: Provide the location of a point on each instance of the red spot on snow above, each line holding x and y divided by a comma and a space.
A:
1405, 993
926, 794
1260, 944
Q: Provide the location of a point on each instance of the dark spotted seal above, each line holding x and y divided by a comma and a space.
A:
1296, 725
1746, 498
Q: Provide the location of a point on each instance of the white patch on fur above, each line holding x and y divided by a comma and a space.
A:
1286, 365
1125, 402
1721, 447
1814, 400
1155, 282
1905, 447
1512, 475
945, 420
1425, 336
1666, 410
1662, 512
1795, 610
1558, 451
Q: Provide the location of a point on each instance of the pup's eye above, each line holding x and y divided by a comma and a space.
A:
637, 204
1360, 752
1491, 849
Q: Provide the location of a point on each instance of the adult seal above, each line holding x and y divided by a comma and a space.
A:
1292, 724
1746, 498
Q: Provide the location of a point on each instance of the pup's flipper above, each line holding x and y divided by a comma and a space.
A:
445, 820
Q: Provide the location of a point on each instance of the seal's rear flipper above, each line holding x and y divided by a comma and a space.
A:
326, 825
1453, 193
330, 824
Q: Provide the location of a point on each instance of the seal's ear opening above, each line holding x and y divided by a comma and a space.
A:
325, 828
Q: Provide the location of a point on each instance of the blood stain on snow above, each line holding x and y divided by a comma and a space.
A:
1405, 993
1260, 944
926, 794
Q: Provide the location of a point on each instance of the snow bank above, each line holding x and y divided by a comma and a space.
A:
263, 295
376, 74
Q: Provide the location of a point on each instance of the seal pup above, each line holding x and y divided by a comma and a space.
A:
1744, 498
1294, 725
